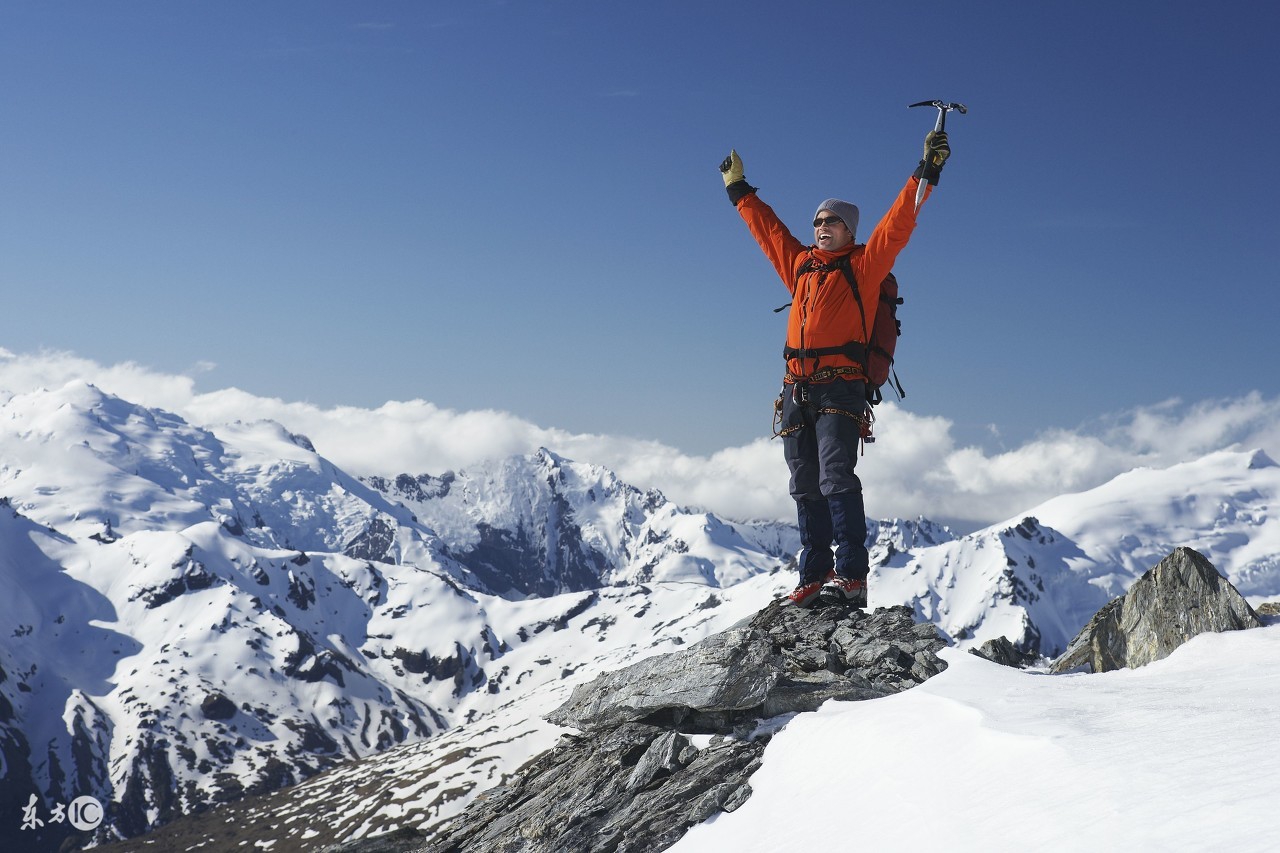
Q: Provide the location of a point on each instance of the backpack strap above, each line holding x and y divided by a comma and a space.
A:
846, 267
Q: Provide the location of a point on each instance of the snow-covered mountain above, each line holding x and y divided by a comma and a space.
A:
540, 526
195, 613
1038, 578
192, 615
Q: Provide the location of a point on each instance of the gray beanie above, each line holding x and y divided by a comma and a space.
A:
848, 213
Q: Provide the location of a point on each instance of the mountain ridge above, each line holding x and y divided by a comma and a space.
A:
250, 614
221, 608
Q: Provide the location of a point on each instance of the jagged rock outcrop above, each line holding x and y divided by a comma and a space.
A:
781, 661
1003, 651
632, 787
1184, 595
644, 770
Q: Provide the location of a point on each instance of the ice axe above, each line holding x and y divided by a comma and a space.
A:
943, 108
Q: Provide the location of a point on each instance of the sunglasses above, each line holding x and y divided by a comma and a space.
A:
827, 220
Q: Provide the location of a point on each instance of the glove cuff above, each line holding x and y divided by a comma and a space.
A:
930, 172
738, 190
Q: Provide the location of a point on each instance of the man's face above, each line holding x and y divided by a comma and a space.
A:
829, 232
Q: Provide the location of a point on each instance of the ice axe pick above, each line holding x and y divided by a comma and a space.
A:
943, 108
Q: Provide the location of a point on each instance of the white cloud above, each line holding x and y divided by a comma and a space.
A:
924, 473
914, 468
53, 369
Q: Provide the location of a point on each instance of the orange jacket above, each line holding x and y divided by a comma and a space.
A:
823, 310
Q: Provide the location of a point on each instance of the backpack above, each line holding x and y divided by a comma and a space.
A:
876, 357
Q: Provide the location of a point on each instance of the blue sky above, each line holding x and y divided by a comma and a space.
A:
515, 206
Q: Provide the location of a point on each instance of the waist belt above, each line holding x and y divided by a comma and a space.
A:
853, 350
825, 374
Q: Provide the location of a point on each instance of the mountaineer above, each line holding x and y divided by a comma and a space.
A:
825, 401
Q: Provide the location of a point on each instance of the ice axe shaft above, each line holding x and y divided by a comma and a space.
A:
941, 124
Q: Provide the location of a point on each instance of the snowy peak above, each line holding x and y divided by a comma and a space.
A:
1038, 578
1260, 459
887, 540
78, 451
204, 613
1222, 505
542, 525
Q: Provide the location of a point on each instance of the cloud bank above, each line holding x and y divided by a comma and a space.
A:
914, 469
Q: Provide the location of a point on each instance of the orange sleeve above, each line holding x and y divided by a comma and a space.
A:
886, 241
780, 245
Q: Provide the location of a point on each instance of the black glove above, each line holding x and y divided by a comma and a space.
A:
936, 151
734, 183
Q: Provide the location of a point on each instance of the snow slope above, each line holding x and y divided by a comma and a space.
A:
1176, 755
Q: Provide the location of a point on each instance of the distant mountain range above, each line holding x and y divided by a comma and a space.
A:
196, 614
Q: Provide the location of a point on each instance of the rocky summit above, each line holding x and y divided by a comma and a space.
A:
667, 742
783, 660
1182, 596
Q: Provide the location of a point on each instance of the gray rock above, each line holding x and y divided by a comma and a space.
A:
1184, 595
666, 754
1001, 650
634, 787
217, 706
783, 660
635, 781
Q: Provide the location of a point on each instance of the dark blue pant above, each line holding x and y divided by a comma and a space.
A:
820, 442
